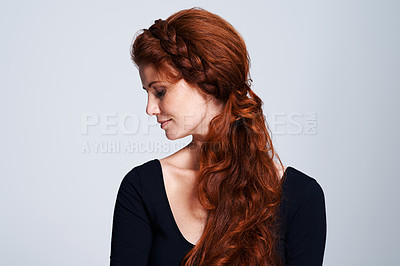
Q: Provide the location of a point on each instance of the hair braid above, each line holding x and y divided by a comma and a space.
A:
190, 64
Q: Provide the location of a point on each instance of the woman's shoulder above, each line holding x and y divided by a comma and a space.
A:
148, 166
142, 172
303, 218
296, 177
299, 186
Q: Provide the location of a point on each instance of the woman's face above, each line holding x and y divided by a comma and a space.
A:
180, 108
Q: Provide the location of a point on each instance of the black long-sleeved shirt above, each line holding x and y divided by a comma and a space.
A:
144, 230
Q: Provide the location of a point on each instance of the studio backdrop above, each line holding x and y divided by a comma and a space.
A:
74, 120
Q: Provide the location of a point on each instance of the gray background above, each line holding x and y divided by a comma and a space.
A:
327, 71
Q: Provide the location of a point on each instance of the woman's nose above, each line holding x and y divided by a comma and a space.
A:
152, 107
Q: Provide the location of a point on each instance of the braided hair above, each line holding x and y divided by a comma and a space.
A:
238, 181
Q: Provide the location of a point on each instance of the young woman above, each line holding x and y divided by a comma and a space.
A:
223, 199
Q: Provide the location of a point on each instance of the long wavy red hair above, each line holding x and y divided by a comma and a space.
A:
238, 181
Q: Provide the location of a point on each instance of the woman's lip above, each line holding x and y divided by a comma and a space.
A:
164, 121
163, 124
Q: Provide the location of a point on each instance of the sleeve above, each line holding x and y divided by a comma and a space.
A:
131, 231
307, 229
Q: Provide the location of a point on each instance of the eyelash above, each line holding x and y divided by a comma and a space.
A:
160, 93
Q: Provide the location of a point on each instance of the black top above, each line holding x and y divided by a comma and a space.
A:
144, 231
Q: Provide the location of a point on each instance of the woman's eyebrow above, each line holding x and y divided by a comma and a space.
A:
151, 83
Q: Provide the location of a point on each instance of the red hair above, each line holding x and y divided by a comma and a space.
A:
238, 181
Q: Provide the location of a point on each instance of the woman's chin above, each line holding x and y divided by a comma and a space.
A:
173, 136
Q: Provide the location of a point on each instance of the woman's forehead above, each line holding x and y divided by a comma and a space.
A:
149, 72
